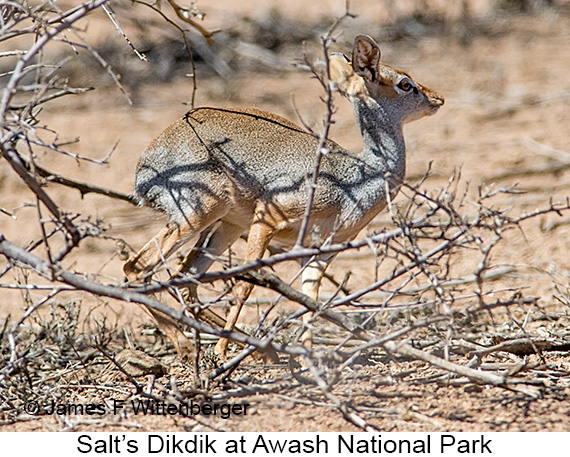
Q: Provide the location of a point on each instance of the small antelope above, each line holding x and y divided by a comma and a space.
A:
218, 173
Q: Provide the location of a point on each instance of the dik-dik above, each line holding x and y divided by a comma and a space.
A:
219, 173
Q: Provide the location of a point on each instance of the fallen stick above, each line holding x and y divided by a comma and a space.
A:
481, 377
525, 346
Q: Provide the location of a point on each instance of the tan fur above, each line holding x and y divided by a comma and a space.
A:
220, 172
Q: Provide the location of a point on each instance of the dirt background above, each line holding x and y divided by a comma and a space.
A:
506, 80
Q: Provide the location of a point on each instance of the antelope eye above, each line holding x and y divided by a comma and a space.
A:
406, 85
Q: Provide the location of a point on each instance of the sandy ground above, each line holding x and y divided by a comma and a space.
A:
506, 112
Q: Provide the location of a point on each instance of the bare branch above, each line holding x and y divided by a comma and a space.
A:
186, 15
14, 160
83, 187
115, 22
325, 81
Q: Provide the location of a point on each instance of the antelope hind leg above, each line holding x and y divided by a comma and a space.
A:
165, 243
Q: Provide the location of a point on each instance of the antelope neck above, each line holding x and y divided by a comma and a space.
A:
383, 137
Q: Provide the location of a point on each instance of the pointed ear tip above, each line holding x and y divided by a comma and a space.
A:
367, 38
365, 42
365, 48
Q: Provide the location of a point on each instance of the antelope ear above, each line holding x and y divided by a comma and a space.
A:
340, 71
343, 77
365, 57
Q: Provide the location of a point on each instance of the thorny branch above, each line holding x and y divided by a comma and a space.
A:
327, 41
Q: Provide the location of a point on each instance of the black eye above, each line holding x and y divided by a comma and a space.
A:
406, 85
